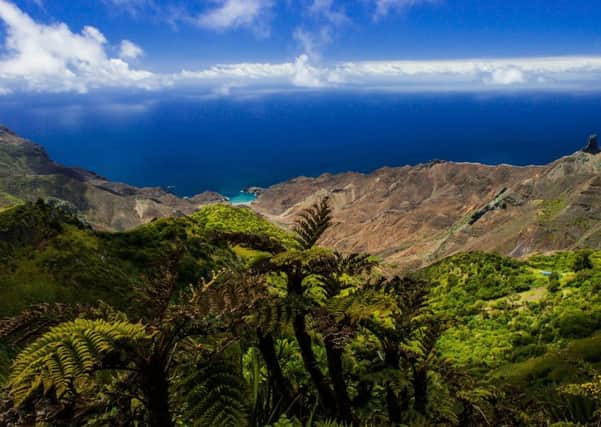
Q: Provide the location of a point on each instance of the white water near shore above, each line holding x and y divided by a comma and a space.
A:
242, 199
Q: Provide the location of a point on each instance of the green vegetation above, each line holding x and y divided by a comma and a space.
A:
48, 255
541, 330
549, 209
224, 218
221, 318
538, 305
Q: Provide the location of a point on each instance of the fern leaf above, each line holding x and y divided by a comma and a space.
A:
313, 222
215, 394
67, 354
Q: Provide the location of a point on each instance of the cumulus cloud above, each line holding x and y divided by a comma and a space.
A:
305, 75
53, 58
384, 7
130, 50
507, 76
230, 14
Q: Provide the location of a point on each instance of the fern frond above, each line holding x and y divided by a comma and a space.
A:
313, 222
284, 421
329, 423
363, 305
227, 298
66, 355
4, 364
214, 394
160, 286
355, 264
35, 320
273, 315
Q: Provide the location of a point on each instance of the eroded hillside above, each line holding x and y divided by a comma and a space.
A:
414, 215
27, 173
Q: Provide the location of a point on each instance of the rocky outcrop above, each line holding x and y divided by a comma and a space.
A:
27, 173
593, 146
254, 190
414, 215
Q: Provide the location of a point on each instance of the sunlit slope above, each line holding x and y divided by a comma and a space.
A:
49, 255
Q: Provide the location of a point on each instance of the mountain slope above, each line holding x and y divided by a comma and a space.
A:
47, 255
27, 173
414, 215
533, 324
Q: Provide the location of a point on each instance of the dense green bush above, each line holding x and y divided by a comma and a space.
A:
577, 324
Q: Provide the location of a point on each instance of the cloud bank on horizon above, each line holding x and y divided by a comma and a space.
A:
41, 57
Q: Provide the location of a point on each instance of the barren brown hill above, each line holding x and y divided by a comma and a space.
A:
27, 173
414, 215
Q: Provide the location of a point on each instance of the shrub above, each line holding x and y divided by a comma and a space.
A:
553, 282
577, 325
583, 261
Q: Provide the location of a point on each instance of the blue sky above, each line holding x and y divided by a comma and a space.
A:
229, 47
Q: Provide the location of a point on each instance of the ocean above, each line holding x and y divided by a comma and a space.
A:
191, 144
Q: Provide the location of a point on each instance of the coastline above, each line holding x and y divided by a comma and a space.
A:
243, 198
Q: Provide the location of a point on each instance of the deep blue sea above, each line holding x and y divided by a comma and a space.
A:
191, 144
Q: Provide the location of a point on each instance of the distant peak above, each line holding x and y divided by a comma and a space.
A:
593, 145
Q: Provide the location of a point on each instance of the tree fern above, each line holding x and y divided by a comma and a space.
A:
312, 223
63, 358
214, 394
361, 306
221, 304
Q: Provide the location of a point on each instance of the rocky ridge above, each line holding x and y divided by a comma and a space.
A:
27, 173
410, 216
414, 215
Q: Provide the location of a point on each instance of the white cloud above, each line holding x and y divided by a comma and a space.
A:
326, 9
507, 76
474, 74
327, 19
133, 7
306, 75
230, 14
312, 42
94, 34
466, 75
130, 50
242, 71
384, 7
52, 58
299, 73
